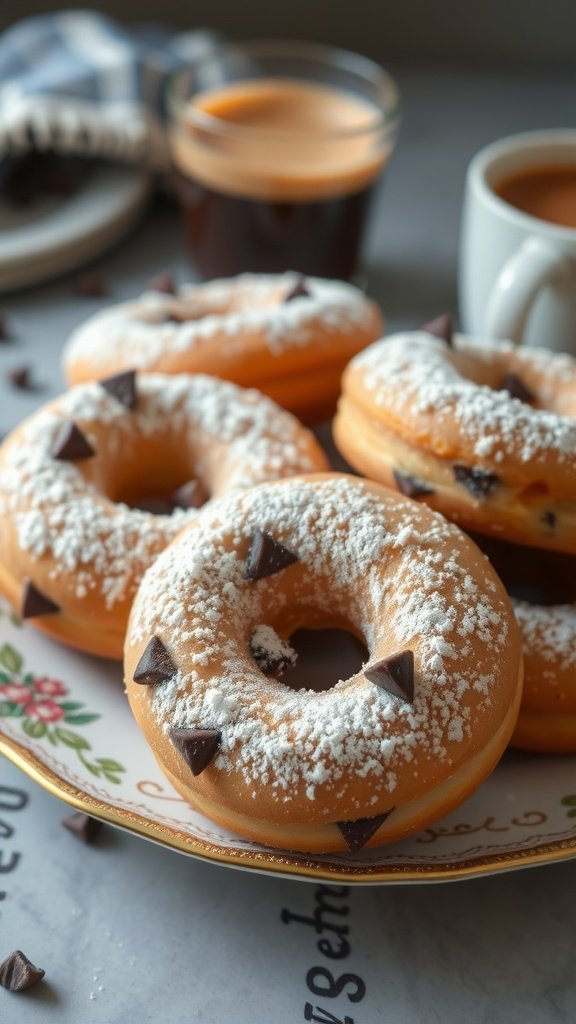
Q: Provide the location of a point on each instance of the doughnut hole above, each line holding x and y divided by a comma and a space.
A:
323, 656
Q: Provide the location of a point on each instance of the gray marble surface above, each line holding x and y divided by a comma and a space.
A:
130, 933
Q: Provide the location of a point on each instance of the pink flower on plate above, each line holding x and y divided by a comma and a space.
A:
50, 687
16, 693
44, 711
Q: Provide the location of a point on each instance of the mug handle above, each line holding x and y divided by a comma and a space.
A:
535, 264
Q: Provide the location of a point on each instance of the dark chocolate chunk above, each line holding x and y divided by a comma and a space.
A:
357, 833
549, 519
163, 282
267, 556
197, 746
480, 482
190, 495
18, 973
34, 603
122, 386
21, 378
441, 327
517, 388
70, 444
298, 290
155, 665
83, 827
395, 675
412, 486
270, 664
90, 286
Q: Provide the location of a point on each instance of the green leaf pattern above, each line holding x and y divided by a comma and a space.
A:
570, 802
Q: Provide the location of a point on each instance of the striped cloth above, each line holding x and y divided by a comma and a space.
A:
77, 82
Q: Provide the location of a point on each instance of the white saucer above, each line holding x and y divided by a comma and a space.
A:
55, 235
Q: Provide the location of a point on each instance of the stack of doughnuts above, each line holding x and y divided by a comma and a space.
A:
286, 335
485, 432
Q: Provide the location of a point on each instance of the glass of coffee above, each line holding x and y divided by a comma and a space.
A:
276, 148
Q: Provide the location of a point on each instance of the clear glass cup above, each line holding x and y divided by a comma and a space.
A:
276, 148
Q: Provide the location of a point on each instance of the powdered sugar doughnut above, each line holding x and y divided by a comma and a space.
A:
387, 751
442, 423
288, 336
72, 549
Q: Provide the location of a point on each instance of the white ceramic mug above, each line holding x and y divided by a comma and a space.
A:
517, 273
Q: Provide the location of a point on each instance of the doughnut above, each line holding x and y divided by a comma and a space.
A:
394, 747
288, 336
485, 432
73, 541
481, 430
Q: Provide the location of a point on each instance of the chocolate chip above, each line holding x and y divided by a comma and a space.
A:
122, 386
412, 486
35, 603
517, 388
21, 378
357, 833
90, 286
298, 290
480, 482
190, 495
267, 556
395, 675
441, 327
270, 664
155, 665
162, 283
18, 973
70, 444
549, 519
83, 827
197, 746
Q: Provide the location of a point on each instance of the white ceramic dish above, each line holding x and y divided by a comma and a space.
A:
65, 721
52, 236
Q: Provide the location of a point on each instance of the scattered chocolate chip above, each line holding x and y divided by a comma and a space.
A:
4, 332
35, 603
271, 663
517, 388
83, 827
357, 833
197, 746
70, 444
395, 675
122, 386
267, 556
90, 286
412, 486
190, 495
298, 290
21, 378
162, 283
441, 327
155, 665
18, 973
480, 482
549, 519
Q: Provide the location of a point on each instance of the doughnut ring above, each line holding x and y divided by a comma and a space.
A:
483, 431
72, 545
389, 750
288, 336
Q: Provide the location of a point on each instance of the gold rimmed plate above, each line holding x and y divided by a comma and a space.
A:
65, 721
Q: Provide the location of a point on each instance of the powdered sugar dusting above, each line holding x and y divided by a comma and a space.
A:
550, 632
138, 333
230, 438
414, 597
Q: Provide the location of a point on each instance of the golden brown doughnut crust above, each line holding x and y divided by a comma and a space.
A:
241, 329
291, 765
67, 526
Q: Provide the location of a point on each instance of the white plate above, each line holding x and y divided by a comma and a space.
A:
65, 721
51, 236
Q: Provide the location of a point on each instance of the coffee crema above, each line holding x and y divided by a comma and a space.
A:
547, 192
275, 174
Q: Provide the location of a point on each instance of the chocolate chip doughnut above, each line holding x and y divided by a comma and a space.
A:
290, 337
387, 751
76, 479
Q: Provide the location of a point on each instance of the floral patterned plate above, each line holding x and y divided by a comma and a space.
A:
65, 721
